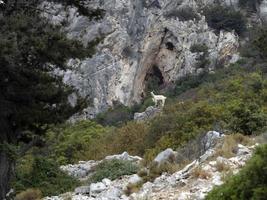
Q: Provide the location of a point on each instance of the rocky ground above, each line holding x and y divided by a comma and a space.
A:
194, 181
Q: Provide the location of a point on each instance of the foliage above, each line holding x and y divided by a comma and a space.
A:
45, 175
96, 14
118, 115
225, 18
33, 95
250, 4
184, 14
249, 183
70, 143
113, 169
260, 41
203, 60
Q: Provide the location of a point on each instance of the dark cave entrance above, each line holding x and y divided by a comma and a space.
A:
170, 46
154, 79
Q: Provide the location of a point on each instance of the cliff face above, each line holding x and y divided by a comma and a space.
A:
140, 37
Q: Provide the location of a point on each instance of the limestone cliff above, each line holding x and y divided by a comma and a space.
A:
140, 37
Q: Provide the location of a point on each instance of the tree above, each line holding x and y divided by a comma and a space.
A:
31, 96
225, 18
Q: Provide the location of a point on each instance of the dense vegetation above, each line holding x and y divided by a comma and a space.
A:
32, 96
250, 183
43, 174
225, 18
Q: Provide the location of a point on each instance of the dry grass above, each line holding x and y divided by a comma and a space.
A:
133, 188
200, 173
222, 167
229, 145
29, 194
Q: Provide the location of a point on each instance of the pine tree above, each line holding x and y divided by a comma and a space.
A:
31, 96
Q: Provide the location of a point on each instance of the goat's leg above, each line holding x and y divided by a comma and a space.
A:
163, 102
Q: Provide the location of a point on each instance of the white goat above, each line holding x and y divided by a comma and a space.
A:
157, 98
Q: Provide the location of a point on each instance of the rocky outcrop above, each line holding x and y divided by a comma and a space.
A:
149, 113
84, 169
137, 36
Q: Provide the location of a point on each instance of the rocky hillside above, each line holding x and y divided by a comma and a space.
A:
206, 58
193, 181
141, 39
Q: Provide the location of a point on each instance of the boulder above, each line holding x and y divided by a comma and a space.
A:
165, 156
82, 190
211, 139
106, 181
96, 188
124, 156
242, 150
149, 113
135, 179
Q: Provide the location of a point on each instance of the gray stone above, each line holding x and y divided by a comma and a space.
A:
165, 156
124, 156
210, 139
82, 190
149, 113
97, 188
134, 179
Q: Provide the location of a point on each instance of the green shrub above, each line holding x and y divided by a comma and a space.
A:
247, 118
249, 183
70, 143
184, 14
195, 48
225, 18
46, 176
203, 59
113, 169
260, 41
116, 116
251, 5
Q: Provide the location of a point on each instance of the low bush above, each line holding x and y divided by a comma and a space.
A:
249, 183
225, 18
184, 14
113, 169
250, 4
70, 143
44, 175
116, 116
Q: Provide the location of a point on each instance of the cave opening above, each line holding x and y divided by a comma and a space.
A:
170, 46
154, 79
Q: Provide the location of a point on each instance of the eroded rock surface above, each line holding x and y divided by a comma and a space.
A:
138, 36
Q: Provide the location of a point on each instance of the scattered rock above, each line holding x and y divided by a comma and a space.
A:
165, 156
242, 150
180, 185
134, 179
124, 156
84, 169
97, 188
82, 190
149, 113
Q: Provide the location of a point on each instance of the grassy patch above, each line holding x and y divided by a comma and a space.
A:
112, 170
